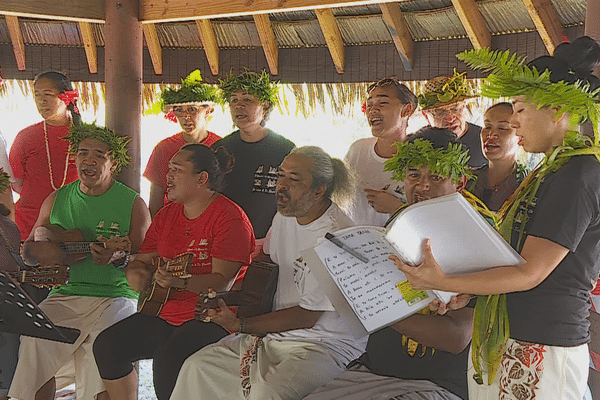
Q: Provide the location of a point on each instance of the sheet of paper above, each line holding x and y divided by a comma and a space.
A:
377, 291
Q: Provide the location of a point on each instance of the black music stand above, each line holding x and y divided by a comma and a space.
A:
19, 314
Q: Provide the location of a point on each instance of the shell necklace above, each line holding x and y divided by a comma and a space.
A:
50, 162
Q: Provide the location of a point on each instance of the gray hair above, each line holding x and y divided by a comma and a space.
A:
330, 172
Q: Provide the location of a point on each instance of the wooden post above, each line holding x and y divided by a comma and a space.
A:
123, 71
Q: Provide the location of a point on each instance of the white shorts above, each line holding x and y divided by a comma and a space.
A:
40, 359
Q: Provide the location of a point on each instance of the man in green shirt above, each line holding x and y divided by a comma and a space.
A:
97, 294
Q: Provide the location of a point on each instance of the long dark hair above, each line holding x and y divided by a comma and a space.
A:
62, 83
216, 163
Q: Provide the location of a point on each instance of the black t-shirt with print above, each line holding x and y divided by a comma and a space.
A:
567, 212
385, 355
251, 183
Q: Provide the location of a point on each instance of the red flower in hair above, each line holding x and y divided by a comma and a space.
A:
171, 116
70, 97
364, 107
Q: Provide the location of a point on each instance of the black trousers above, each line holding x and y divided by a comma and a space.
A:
141, 337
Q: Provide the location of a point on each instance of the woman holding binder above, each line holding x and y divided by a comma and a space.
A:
535, 317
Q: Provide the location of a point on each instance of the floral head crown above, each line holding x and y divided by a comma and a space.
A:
193, 91
451, 161
258, 85
118, 144
510, 77
445, 90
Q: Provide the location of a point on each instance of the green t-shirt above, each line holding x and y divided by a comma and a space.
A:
108, 215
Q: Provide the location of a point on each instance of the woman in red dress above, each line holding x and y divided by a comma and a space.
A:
38, 156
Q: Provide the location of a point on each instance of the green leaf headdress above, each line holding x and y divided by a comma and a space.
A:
118, 144
510, 77
193, 91
450, 161
258, 85
445, 90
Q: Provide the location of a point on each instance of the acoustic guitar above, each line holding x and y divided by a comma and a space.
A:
44, 277
72, 245
154, 298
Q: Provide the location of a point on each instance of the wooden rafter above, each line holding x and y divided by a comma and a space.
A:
392, 15
70, 10
209, 42
14, 29
180, 10
546, 20
154, 47
473, 22
268, 40
333, 37
89, 43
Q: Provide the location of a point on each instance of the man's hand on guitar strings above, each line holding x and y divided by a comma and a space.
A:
224, 317
100, 254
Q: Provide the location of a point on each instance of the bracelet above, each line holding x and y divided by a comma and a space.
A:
243, 326
122, 263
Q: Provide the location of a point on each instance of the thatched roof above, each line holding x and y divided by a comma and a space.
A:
305, 42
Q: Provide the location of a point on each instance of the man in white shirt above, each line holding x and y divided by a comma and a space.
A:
389, 106
304, 343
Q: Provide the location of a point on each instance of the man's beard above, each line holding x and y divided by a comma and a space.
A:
298, 207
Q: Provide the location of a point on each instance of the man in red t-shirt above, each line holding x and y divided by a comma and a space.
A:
190, 105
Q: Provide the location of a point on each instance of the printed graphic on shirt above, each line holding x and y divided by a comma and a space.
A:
201, 252
113, 230
522, 215
265, 182
299, 273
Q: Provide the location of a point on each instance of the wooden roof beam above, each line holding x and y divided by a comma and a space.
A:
392, 15
89, 43
473, 22
209, 42
268, 40
16, 37
545, 19
69, 10
333, 38
181, 10
154, 47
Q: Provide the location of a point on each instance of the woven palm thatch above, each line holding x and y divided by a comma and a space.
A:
294, 99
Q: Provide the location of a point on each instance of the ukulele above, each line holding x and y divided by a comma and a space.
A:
72, 245
154, 298
44, 277
255, 296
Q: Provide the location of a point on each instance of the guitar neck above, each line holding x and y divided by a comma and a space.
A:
78, 247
